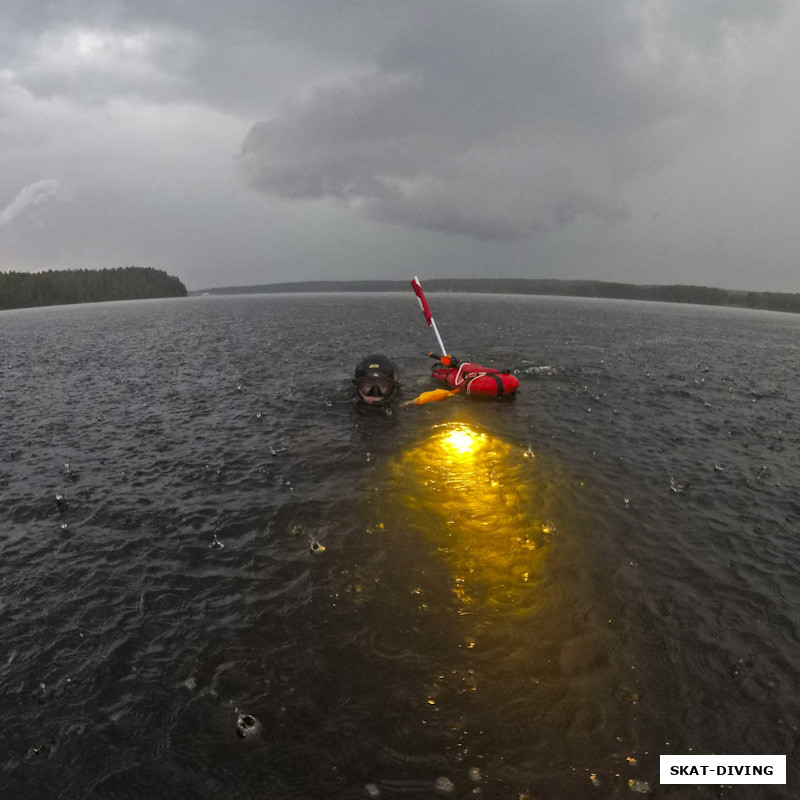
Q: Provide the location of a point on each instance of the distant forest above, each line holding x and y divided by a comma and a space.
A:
701, 295
64, 287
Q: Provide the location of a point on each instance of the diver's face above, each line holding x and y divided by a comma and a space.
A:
375, 389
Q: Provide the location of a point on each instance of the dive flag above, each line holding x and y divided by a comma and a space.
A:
423, 303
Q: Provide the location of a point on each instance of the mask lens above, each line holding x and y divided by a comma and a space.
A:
373, 388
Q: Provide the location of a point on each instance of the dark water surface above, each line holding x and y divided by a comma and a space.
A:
202, 537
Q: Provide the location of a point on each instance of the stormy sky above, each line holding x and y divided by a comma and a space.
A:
244, 142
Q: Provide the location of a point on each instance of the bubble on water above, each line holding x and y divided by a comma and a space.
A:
627, 695
444, 785
543, 369
216, 544
247, 726
316, 546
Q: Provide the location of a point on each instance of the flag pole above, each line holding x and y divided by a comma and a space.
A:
423, 304
438, 338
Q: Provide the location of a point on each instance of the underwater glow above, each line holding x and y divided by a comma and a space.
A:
474, 497
476, 514
460, 439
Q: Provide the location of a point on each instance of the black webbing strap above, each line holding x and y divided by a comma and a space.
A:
497, 380
500, 388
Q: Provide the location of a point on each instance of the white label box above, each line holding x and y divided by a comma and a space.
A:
723, 769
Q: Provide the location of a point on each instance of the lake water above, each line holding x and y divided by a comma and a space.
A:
220, 578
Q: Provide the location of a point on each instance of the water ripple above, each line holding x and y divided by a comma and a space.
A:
598, 572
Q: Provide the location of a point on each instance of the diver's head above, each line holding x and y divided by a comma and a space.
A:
377, 380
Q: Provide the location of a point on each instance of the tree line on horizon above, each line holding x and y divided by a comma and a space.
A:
698, 295
66, 287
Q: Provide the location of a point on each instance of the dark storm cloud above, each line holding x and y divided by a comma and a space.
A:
239, 55
498, 119
616, 131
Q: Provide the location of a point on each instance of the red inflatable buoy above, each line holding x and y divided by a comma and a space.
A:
478, 381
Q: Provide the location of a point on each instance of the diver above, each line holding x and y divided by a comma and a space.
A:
377, 380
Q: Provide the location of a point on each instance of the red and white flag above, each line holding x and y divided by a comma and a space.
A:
423, 303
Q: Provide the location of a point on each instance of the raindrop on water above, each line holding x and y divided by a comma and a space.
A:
216, 544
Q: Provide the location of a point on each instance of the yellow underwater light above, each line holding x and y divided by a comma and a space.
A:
476, 516
460, 440
474, 497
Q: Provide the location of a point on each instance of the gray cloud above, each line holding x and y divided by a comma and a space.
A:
31, 195
501, 119
622, 139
